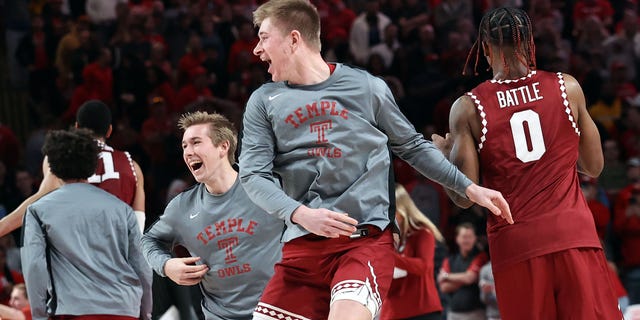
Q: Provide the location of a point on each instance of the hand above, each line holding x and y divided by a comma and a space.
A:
324, 222
183, 272
444, 144
486, 288
490, 199
442, 276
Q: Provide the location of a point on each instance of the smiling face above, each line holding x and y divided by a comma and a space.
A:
201, 156
272, 48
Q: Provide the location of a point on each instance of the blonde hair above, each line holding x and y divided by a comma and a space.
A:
220, 129
289, 15
412, 218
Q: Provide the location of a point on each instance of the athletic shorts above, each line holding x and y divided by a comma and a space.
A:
93, 317
565, 285
315, 271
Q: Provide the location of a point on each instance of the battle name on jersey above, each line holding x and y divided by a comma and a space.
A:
519, 95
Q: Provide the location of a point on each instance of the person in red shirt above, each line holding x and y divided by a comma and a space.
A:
18, 308
195, 90
601, 213
627, 228
413, 291
8, 278
526, 133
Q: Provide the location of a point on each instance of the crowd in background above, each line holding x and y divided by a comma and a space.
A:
150, 61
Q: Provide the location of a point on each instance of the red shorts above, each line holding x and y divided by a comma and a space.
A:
93, 317
569, 284
315, 271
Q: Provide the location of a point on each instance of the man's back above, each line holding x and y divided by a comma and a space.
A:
93, 257
528, 150
115, 173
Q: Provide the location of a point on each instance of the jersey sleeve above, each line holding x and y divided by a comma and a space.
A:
158, 240
410, 145
256, 163
34, 262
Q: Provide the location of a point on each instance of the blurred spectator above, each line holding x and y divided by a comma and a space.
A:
8, 278
388, 47
64, 53
415, 14
337, 20
585, 9
244, 45
413, 293
488, 292
35, 52
627, 228
629, 130
591, 36
97, 84
195, 90
10, 147
18, 308
367, 31
448, 12
614, 174
159, 84
601, 213
458, 276
191, 60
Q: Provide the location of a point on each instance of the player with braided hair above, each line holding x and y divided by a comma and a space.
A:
527, 133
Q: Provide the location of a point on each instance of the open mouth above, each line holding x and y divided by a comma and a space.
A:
195, 165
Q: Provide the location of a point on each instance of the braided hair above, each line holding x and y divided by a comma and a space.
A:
506, 27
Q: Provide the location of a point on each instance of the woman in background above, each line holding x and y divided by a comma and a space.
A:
413, 293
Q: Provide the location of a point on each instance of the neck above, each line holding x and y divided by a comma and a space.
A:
222, 182
506, 64
309, 68
69, 181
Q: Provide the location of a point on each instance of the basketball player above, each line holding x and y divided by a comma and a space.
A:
81, 246
327, 131
116, 172
524, 133
233, 243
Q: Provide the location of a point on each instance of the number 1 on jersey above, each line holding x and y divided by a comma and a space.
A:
533, 130
109, 172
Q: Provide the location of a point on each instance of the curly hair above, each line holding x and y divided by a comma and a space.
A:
506, 27
72, 154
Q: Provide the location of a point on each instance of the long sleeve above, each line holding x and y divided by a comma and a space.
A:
157, 242
34, 262
256, 163
411, 146
140, 266
418, 259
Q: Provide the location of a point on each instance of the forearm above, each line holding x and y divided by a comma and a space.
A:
8, 313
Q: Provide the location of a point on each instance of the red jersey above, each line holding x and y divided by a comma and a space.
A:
528, 150
416, 294
115, 173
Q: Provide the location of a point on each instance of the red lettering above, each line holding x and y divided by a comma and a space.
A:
221, 273
231, 222
210, 234
324, 106
343, 114
201, 238
240, 227
312, 110
333, 109
301, 117
220, 228
290, 120
246, 267
250, 227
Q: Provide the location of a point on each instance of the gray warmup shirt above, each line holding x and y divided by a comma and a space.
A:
237, 240
81, 255
329, 143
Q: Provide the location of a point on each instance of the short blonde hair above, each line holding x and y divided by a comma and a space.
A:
220, 129
289, 15
413, 218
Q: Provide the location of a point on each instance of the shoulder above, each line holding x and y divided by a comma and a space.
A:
185, 198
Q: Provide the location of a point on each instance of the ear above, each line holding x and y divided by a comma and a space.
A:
296, 38
224, 148
109, 131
